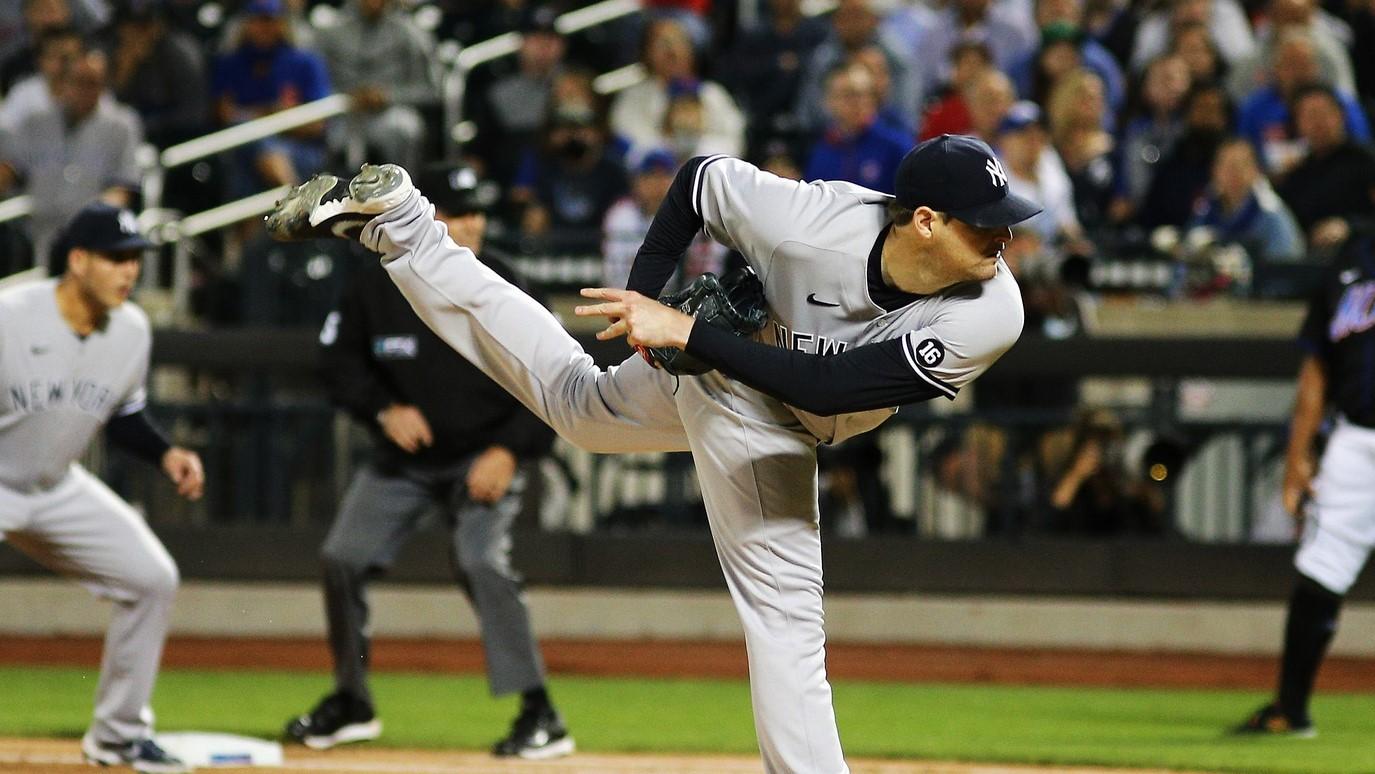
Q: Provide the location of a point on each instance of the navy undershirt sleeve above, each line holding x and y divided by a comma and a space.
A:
670, 234
868, 377
135, 434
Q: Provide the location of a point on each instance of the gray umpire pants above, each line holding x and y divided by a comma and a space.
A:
755, 462
81, 529
380, 512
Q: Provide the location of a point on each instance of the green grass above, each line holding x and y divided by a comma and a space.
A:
1148, 728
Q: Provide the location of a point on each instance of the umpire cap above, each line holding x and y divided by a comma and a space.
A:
961, 176
456, 189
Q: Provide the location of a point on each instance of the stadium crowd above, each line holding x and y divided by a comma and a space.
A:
1230, 138
1226, 121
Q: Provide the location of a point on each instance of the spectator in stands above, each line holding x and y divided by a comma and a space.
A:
1194, 43
691, 15
81, 149
871, 58
1153, 126
765, 69
1334, 182
1225, 21
293, 13
1241, 208
628, 220
515, 107
40, 17
1062, 22
1060, 54
638, 113
1008, 32
1066, 17
856, 146
1329, 35
1035, 171
566, 187
855, 26
378, 56
1180, 178
37, 93
989, 95
266, 74
1264, 116
1092, 493
687, 129
1075, 111
949, 112
159, 72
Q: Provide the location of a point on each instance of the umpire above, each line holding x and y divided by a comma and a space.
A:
446, 437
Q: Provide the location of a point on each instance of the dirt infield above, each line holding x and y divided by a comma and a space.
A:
39, 756
894, 663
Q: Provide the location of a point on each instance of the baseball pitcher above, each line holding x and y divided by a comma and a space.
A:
873, 301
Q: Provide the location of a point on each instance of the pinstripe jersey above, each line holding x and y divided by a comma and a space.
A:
810, 245
56, 388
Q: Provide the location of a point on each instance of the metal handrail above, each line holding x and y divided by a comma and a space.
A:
257, 129
221, 216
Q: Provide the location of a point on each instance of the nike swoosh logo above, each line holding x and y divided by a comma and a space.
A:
39, 350
811, 299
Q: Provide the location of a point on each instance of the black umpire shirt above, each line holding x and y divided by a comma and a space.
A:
1340, 330
375, 352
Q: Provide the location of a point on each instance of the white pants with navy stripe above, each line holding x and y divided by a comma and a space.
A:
81, 529
1339, 528
755, 462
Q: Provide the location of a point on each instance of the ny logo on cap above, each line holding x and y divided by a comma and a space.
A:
996, 175
127, 223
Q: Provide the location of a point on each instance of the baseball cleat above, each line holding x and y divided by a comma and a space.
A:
536, 735
339, 718
143, 756
326, 206
1272, 721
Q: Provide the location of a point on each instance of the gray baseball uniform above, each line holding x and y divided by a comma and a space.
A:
56, 391
813, 246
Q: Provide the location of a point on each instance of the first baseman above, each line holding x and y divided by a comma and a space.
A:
875, 301
73, 359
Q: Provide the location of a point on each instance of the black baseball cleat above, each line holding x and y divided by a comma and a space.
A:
1270, 720
536, 735
143, 756
338, 718
326, 206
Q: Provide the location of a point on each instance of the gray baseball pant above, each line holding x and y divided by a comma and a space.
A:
380, 512
81, 529
755, 462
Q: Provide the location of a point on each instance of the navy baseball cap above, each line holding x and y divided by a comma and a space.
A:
961, 176
104, 229
456, 189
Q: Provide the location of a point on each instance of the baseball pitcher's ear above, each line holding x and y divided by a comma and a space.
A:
924, 219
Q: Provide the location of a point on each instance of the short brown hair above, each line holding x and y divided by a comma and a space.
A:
899, 214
